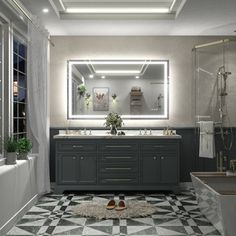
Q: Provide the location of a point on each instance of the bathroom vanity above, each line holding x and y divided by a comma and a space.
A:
105, 162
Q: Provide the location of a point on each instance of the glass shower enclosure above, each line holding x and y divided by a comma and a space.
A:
215, 87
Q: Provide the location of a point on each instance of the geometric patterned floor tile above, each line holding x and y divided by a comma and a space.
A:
176, 215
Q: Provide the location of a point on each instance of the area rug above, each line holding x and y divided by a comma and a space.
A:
97, 209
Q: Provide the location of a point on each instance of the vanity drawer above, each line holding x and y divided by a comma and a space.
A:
75, 146
118, 179
118, 157
120, 146
114, 168
159, 147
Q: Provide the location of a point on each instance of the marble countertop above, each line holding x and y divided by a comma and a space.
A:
96, 134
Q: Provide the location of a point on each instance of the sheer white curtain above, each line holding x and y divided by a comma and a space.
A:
38, 102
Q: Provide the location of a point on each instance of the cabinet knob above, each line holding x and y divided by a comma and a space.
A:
162, 158
73, 158
81, 158
154, 158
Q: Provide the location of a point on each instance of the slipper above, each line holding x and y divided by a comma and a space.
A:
121, 206
111, 205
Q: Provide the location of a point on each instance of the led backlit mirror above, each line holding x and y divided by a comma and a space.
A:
135, 89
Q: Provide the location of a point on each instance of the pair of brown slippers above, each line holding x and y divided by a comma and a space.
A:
118, 207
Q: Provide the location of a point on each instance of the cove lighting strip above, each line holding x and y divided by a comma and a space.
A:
108, 72
139, 62
117, 10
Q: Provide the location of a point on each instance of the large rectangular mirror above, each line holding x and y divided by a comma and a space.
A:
135, 89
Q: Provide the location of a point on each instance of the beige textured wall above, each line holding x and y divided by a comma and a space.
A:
178, 50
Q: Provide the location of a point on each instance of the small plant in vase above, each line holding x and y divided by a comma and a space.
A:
24, 146
10, 146
113, 121
81, 90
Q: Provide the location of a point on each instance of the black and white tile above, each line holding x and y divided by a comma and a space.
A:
176, 215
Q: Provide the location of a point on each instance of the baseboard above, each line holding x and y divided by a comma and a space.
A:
15, 218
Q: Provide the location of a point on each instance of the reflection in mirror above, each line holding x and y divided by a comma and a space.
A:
135, 89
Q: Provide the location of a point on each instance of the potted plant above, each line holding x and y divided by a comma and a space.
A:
10, 146
113, 121
24, 146
87, 99
81, 90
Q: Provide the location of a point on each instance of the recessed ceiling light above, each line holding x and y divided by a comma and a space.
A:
118, 10
45, 10
91, 76
137, 77
103, 77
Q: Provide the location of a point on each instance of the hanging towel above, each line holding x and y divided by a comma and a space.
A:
207, 140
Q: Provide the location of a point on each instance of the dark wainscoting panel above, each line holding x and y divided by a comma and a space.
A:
189, 159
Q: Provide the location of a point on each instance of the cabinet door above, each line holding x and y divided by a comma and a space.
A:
67, 168
87, 169
151, 169
169, 169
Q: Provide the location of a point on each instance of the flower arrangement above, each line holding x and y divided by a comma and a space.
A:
113, 119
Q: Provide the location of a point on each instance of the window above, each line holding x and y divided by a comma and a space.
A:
19, 88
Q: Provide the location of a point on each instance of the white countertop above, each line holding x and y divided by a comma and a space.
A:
96, 134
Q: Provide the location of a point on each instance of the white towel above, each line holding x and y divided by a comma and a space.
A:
207, 140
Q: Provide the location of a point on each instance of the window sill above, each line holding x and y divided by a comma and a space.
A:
30, 156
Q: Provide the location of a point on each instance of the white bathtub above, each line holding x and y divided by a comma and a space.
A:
216, 195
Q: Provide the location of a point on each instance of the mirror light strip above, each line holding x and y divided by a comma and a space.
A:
117, 10
115, 62
164, 116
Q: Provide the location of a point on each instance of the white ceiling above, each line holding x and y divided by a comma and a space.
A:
197, 17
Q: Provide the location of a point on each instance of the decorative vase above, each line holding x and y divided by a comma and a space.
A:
11, 158
113, 130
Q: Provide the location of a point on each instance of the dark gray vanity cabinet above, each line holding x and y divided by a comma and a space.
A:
67, 168
117, 164
76, 163
151, 168
160, 162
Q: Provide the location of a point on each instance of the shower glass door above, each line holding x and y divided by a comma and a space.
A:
210, 62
